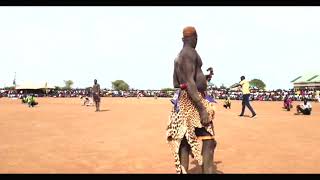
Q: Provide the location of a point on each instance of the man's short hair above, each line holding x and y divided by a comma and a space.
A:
189, 31
242, 77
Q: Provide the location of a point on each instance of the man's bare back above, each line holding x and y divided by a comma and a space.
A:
187, 70
189, 57
189, 77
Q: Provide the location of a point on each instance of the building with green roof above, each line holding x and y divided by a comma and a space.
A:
307, 81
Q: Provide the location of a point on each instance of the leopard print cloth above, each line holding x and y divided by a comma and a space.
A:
183, 123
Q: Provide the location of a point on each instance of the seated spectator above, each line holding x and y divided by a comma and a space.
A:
287, 104
24, 99
32, 101
305, 108
227, 103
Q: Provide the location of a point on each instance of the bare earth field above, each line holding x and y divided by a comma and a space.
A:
128, 136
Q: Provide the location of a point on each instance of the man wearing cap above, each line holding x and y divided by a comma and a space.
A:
191, 117
96, 95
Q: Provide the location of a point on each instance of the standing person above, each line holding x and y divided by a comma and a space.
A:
192, 116
208, 78
244, 84
96, 95
318, 96
138, 94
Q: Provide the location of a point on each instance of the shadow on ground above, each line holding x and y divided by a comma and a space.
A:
198, 170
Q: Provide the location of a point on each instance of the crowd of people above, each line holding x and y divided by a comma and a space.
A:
262, 95
88, 92
216, 93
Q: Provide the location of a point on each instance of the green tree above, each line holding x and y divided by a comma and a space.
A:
120, 85
257, 83
9, 88
68, 84
168, 91
57, 88
223, 86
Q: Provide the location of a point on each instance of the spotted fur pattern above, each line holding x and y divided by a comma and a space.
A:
183, 123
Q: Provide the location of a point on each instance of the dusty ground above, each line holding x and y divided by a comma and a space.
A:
128, 136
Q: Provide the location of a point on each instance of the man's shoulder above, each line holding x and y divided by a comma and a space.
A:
189, 54
188, 51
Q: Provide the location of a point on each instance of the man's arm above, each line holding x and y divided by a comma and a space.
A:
187, 71
235, 85
175, 78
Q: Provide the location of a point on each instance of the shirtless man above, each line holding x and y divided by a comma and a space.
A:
96, 95
189, 77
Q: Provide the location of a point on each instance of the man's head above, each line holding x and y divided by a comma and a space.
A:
242, 78
95, 81
305, 101
190, 36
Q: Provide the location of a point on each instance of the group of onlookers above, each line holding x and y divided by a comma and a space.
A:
87, 92
217, 93
262, 95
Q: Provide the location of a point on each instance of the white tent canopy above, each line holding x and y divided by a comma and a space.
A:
29, 85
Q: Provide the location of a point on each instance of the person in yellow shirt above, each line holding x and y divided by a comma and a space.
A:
244, 84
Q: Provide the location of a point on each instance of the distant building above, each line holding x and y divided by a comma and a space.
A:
37, 88
307, 81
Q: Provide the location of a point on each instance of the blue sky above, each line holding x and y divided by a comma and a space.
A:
139, 44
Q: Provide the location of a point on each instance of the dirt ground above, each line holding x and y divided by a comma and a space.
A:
128, 136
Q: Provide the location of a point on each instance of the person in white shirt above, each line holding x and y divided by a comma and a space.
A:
317, 96
86, 101
304, 108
